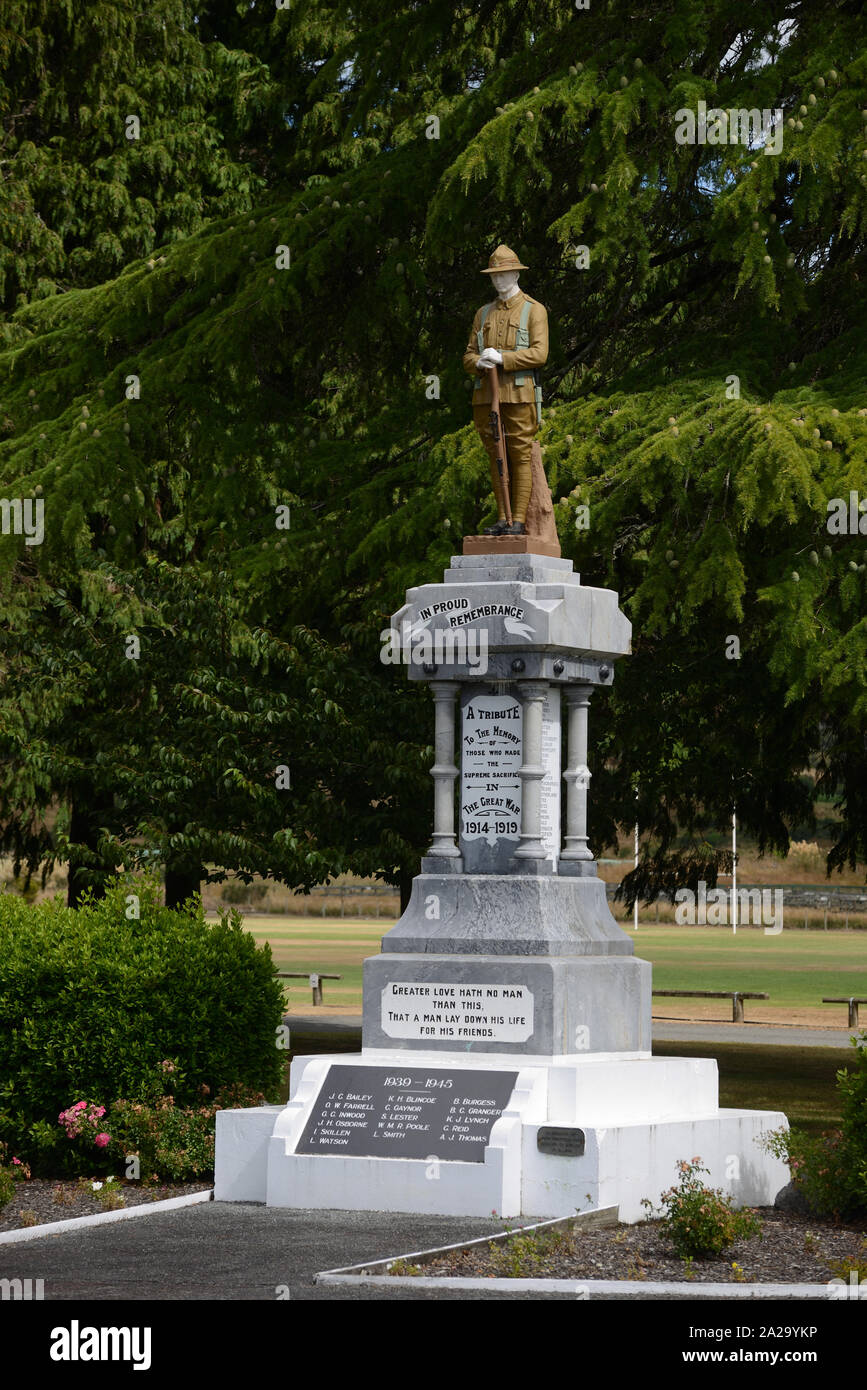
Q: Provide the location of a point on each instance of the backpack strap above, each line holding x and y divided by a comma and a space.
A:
480, 339
522, 337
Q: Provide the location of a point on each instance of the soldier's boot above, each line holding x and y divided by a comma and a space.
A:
497, 529
516, 529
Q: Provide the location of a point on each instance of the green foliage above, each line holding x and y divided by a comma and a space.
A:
12, 1170
91, 1004
306, 127
171, 1142
822, 1169
83, 194
516, 1258
700, 1221
830, 1169
521, 1256
109, 1193
852, 1086
851, 1264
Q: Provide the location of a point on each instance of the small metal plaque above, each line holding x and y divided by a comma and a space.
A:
557, 1139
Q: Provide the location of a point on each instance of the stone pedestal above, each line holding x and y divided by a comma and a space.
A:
574, 1133
506, 1040
509, 545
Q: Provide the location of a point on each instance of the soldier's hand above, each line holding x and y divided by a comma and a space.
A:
491, 357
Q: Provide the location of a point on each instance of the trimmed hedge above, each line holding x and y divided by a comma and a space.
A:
91, 1002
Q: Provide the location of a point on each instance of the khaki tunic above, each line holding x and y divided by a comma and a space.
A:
499, 332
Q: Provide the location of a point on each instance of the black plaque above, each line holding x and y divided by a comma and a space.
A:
406, 1112
557, 1139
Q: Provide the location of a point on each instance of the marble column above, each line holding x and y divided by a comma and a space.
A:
530, 853
444, 772
576, 852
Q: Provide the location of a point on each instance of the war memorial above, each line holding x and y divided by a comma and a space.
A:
506, 1061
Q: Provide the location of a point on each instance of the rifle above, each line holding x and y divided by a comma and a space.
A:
499, 437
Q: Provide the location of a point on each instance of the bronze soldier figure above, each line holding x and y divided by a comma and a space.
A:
509, 336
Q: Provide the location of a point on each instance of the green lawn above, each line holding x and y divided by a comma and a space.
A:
325, 945
795, 968
800, 1081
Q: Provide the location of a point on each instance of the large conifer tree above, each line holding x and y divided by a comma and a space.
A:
706, 398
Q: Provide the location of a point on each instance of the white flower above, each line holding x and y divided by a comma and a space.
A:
96, 1186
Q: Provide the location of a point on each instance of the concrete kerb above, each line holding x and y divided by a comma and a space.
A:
103, 1218
587, 1220
373, 1274
585, 1289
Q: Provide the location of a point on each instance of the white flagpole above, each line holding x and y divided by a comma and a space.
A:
635, 907
734, 870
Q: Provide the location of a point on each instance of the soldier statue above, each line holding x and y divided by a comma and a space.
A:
510, 337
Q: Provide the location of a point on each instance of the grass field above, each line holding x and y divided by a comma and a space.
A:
322, 945
795, 968
800, 1081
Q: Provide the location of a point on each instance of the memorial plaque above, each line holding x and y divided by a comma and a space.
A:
437, 1010
491, 790
406, 1112
490, 761
558, 1140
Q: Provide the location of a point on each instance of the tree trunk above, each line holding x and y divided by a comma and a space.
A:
181, 884
406, 878
84, 830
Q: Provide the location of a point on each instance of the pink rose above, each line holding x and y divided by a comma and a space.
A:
101, 1140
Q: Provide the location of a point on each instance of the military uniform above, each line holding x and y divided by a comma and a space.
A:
518, 408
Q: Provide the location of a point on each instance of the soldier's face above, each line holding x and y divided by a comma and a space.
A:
505, 282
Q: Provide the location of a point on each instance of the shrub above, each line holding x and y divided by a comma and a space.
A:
699, 1220
171, 1143
830, 1169
168, 1141
11, 1171
92, 1001
805, 854
852, 1086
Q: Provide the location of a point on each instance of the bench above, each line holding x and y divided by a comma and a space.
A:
853, 1001
315, 980
737, 996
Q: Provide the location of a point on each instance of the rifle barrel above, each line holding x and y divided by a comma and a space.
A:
499, 437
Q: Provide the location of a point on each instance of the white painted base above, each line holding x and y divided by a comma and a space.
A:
640, 1116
